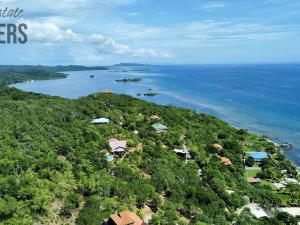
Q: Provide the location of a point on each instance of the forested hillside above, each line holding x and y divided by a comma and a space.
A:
15, 76
54, 169
27, 68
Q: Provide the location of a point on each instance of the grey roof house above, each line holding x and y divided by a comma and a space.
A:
160, 128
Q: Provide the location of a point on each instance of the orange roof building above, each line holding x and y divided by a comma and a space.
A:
226, 161
125, 218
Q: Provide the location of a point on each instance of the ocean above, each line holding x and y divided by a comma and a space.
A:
261, 98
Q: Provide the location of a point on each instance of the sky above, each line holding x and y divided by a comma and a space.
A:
105, 32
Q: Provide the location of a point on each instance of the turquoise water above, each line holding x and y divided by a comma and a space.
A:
260, 98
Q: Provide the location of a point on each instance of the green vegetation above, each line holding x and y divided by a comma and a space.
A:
18, 74
10, 76
53, 167
252, 172
25, 69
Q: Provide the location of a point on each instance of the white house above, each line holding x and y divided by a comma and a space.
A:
293, 211
255, 210
184, 154
100, 121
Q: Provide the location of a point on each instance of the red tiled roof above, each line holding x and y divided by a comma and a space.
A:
126, 218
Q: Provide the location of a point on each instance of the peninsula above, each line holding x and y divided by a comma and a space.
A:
58, 167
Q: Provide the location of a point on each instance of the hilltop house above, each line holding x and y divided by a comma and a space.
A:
160, 128
107, 91
258, 156
100, 121
125, 218
117, 146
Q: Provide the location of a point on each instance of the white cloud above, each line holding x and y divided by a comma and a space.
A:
49, 33
212, 5
199, 33
93, 30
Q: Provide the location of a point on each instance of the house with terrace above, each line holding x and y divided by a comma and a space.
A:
117, 147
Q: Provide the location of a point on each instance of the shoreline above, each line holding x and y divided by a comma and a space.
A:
181, 106
271, 141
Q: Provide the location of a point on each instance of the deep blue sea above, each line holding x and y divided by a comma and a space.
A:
261, 98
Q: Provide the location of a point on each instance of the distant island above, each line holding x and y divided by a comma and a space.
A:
151, 94
59, 68
126, 80
130, 64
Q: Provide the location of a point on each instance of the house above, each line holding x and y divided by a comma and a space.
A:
226, 161
107, 91
217, 147
258, 156
293, 211
154, 117
253, 180
182, 153
160, 128
117, 146
258, 211
280, 185
125, 218
100, 121
292, 180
